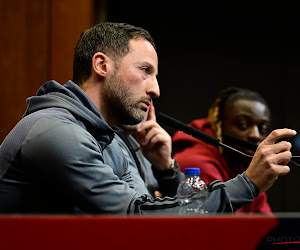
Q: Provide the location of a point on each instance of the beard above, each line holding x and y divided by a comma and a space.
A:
121, 103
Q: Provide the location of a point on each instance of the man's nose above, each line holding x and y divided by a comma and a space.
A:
254, 134
153, 89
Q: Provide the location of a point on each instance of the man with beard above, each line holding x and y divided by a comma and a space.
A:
61, 156
237, 116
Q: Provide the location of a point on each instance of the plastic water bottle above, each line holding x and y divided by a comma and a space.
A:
192, 193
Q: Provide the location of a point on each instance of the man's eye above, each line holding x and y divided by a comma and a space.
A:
264, 128
145, 69
242, 125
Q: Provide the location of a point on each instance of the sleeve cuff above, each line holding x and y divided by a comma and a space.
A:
253, 187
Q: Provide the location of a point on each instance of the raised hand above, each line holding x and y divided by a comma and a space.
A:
155, 142
270, 159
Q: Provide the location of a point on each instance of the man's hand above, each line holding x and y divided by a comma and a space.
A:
270, 159
155, 142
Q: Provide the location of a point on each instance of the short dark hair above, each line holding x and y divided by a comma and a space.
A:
109, 38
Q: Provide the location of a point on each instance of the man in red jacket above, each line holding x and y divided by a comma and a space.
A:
236, 112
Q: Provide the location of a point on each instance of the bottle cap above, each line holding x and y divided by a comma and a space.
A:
192, 171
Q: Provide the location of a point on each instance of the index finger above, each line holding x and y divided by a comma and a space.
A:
148, 122
277, 134
151, 113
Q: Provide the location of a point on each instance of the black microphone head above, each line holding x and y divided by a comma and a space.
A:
178, 125
238, 141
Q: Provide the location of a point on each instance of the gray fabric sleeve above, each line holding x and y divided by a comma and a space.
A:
65, 159
241, 190
229, 196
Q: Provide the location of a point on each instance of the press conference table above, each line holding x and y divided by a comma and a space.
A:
249, 231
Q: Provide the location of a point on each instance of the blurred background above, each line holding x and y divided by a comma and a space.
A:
202, 48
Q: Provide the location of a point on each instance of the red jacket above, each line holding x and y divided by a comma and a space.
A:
191, 152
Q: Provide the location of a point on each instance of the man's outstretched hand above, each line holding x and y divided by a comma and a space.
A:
270, 159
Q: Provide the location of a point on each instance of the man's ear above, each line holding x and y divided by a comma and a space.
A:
100, 63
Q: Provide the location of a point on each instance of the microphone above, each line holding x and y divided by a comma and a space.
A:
178, 125
198, 134
252, 146
240, 142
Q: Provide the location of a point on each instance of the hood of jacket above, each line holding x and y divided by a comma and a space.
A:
72, 98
